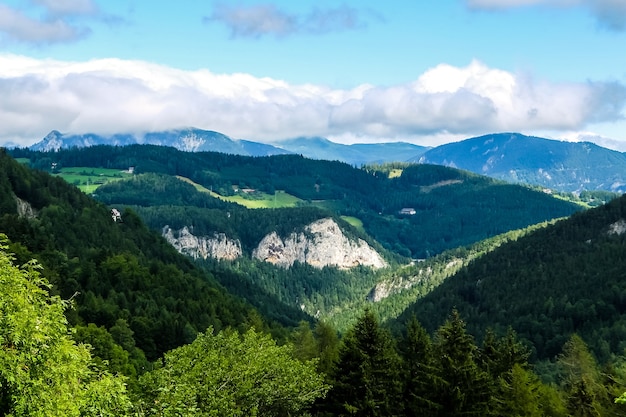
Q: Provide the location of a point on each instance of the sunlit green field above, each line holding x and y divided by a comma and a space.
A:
263, 200
88, 179
395, 173
354, 221
254, 200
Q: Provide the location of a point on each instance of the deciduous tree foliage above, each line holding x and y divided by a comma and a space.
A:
43, 372
228, 374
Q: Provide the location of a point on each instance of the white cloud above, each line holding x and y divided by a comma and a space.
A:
609, 13
112, 96
16, 25
267, 19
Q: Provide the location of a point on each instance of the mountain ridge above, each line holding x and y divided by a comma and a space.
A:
513, 157
199, 140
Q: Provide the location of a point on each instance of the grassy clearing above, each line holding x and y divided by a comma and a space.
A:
88, 179
254, 200
263, 200
197, 186
395, 173
354, 221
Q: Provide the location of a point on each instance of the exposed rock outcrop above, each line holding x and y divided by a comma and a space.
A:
24, 209
423, 277
321, 244
617, 228
218, 246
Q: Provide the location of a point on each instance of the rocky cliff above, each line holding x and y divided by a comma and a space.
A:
218, 246
321, 244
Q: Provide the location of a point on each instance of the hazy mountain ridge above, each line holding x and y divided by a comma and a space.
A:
512, 157
355, 154
198, 140
190, 140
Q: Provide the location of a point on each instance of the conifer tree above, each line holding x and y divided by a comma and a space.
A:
465, 388
366, 381
304, 346
419, 373
327, 344
499, 355
581, 380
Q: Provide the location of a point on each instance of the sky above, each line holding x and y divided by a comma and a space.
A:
424, 72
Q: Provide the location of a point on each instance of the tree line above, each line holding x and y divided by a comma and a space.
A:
368, 372
453, 208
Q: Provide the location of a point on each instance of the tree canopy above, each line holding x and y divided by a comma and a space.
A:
43, 372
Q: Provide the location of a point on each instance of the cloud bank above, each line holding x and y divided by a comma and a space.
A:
267, 19
609, 13
111, 96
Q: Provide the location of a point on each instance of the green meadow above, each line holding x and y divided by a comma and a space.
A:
254, 199
88, 179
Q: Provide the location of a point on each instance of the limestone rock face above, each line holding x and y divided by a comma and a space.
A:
218, 246
321, 244
617, 228
24, 209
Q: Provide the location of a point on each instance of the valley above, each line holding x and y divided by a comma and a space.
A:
293, 247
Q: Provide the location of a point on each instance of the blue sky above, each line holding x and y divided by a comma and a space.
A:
426, 72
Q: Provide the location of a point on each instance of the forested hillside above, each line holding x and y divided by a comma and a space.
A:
136, 298
447, 207
567, 278
130, 287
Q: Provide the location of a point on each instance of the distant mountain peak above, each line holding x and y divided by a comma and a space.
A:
191, 139
514, 157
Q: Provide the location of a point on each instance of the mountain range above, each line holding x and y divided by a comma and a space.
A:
443, 207
134, 297
512, 157
198, 140
560, 278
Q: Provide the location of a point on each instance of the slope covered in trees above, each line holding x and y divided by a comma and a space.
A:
43, 372
131, 282
566, 278
450, 374
452, 207
131, 288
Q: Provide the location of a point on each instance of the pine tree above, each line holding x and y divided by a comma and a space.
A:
581, 379
419, 373
366, 381
327, 344
304, 346
465, 389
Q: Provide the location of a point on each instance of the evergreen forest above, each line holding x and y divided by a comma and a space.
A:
499, 299
452, 208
